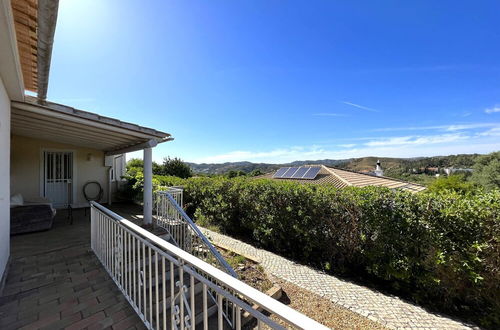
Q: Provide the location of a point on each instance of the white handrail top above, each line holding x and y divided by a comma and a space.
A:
267, 302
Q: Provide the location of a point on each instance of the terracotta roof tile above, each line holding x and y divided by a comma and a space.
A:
342, 178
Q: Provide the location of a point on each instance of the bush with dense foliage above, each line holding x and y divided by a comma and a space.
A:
441, 248
169, 167
455, 182
487, 171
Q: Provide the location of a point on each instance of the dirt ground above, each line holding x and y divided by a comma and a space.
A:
314, 306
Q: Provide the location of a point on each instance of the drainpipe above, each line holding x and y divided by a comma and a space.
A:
148, 186
110, 184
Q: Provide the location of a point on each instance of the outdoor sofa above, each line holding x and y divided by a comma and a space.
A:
30, 215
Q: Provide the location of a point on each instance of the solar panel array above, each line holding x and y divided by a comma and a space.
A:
305, 172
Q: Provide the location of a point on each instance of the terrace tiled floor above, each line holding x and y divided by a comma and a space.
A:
56, 282
387, 310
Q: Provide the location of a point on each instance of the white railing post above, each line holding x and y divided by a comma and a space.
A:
148, 185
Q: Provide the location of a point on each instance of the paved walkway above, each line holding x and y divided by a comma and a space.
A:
387, 310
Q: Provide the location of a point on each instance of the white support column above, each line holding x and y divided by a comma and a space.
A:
148, 186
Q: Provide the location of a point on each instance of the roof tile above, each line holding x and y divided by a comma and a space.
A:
341, 178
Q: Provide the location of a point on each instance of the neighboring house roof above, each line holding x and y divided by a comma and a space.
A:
341, 178
60, 123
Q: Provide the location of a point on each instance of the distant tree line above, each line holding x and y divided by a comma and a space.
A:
169, 167
485, 171
485, 174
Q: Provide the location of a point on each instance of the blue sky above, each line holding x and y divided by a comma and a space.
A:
277, 81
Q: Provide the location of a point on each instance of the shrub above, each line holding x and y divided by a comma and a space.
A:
455, 182
440, 248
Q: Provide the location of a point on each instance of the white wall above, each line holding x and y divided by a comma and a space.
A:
26, 162
11, 88
4, 175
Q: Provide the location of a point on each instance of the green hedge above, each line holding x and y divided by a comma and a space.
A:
442, 249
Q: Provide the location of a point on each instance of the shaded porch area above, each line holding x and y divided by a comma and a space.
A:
55, 281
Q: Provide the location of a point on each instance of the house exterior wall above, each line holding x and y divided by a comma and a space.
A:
119, 169
4, 174
26, 162
11, 89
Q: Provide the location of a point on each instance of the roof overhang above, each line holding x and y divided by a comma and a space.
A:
10, 67
35, 24
63, 124
47, 19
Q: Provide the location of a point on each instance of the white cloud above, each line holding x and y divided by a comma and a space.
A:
406, 150
399, 146
496, 108
360, 106
491, 132
267, 156
463, 127
449, 127
330, 114
416, 140
448, 139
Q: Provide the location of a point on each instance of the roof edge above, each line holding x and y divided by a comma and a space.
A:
85, 115
10, 62
336, 175
47, 19
383, 177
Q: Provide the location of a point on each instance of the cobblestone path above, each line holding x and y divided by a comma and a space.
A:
387, 310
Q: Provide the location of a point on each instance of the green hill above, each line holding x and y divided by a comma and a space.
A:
392, 166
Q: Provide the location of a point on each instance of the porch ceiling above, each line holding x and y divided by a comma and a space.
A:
63, 124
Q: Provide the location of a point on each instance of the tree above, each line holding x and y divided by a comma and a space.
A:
134, 166
487, 171
175, 167
157, 168
454, 182
256, 172
233, 174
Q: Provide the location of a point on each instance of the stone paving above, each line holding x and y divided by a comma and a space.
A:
387, 310
55, 282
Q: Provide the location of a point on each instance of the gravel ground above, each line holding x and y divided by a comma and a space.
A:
316, 307
248, 271
321, 309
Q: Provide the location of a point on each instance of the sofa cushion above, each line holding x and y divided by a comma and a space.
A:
16, 200
30, 218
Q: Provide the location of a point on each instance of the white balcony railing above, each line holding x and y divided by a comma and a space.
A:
182, 231
171, 289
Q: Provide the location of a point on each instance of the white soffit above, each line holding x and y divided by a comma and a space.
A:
58, 123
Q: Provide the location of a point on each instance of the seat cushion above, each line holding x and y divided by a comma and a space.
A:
16, 200
30, 218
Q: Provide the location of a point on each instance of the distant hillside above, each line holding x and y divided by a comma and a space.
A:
248, 167
367, 164
363, 164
